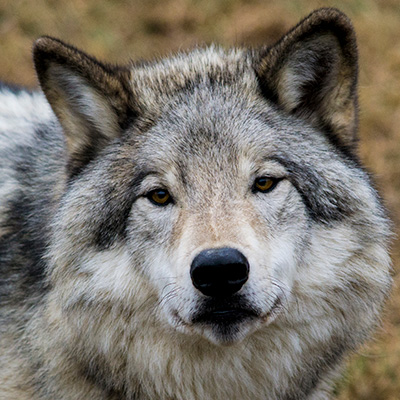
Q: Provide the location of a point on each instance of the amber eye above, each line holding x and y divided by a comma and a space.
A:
264, 184
159, 197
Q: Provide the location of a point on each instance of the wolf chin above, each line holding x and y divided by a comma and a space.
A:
194, 228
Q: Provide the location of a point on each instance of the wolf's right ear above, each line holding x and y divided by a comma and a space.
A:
91, 100
312, 73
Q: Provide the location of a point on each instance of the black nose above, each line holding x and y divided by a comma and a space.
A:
219, 272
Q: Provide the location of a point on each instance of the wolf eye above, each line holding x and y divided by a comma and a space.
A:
159, 197
264, 184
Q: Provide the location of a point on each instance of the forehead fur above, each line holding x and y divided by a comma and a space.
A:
156, 82
215, 127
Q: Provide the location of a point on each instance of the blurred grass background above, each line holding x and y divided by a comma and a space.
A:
119, 30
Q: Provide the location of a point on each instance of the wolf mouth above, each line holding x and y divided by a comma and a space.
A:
234, 313
225, 316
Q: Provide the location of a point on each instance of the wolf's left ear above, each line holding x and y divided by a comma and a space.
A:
90, 99
312, 73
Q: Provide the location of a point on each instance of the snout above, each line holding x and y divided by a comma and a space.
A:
229, 303
219, 273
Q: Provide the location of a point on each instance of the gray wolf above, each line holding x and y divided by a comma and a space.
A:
193, 228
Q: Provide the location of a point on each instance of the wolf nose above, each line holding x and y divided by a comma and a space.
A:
219, 272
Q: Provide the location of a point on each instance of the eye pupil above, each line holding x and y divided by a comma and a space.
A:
264, 184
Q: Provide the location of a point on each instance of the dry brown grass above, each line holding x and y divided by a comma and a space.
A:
121, 29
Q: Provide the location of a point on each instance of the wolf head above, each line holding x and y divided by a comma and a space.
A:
215, 193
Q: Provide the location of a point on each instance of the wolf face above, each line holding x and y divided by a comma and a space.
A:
217, 267
204, 183
213, 198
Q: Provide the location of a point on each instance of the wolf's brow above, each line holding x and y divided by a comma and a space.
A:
274, 159
139, 178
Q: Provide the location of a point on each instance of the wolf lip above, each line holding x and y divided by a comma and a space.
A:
225, 316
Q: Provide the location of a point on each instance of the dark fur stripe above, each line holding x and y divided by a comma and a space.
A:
313, 189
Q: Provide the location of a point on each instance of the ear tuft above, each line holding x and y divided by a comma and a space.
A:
91, 100
312, 73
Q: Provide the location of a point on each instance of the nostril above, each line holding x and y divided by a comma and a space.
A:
219, 272
220, 280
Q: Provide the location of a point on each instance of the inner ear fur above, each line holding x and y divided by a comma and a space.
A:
91, 100
311, 72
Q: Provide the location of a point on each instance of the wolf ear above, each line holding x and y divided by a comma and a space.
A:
312, 73
91, 100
